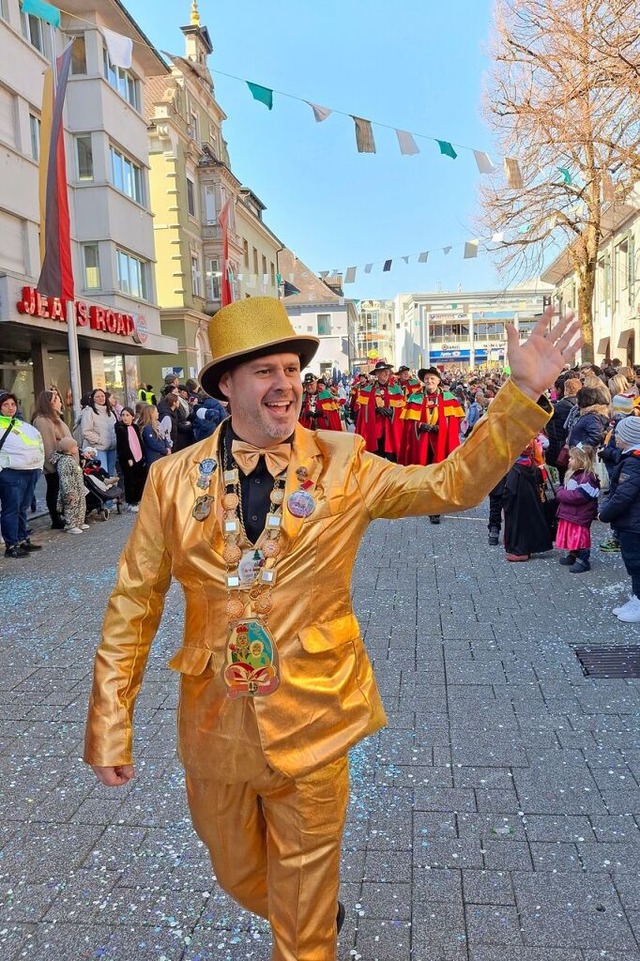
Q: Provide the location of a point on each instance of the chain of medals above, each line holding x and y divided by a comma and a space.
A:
249, 570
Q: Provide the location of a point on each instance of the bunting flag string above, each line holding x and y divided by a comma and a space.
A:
120, 50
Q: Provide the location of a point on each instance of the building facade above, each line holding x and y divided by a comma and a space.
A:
196, 198
616, 300
115, 312
319, 307
375, 334
464, 330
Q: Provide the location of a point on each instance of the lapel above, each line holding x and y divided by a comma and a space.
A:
305, 453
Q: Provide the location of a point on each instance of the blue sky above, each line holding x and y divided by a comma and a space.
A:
417, 65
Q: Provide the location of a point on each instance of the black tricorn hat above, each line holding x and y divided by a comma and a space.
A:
422, 373
382, 366
309, 378
402, 369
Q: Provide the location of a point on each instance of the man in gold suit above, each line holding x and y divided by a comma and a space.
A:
254, 522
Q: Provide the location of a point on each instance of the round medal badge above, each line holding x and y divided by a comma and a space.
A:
300, 503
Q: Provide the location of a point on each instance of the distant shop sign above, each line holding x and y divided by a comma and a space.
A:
34, 304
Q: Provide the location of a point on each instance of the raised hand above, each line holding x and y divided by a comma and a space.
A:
536, 363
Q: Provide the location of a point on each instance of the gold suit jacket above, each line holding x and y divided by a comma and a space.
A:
328, 698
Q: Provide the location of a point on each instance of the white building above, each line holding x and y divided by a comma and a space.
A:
616, 300
464, 330
111, 220
320, 308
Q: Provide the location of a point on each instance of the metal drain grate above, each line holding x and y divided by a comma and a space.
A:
609, 660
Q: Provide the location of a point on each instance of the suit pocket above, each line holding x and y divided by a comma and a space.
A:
194, 661
331, 634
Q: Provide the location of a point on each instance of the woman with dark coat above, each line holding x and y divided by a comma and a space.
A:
593, 419
555, 429
131, 458
526, 527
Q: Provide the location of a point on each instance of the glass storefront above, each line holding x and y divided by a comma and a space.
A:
16, 376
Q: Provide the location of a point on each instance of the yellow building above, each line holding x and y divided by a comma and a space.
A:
192, 187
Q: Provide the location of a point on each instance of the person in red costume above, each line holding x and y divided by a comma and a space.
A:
320, 409
430, 424
379, 406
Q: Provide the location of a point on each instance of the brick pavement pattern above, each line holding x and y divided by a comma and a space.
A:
497, 818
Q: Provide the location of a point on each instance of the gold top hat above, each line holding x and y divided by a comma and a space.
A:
249, 328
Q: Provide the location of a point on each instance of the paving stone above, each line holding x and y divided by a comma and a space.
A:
547, 828
487, 887
493, 924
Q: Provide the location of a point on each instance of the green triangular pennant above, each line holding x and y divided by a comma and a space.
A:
446, 149
263, 94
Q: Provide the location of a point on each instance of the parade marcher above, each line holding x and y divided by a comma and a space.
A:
131, 458
21, 461
71, 489
320, 409
408, 383
430, 424
276, 686
379, 406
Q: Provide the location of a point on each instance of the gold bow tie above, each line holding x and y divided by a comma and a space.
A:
246, 457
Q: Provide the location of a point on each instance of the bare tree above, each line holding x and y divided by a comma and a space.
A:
563, 99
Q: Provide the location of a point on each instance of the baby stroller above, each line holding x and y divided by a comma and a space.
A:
100, 492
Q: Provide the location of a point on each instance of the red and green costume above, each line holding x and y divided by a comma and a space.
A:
382, 434
442, 410
410, 386
326, 406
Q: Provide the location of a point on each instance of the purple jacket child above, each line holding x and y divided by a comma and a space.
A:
578, 499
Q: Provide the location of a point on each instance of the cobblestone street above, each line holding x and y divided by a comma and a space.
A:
497, 818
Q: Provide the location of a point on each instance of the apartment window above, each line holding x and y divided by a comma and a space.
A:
213, 280
264, 268
91, 264
34, 130
245, 252
196, 276
78, 56
194, 126
272, 268
127, 176
255, 261
132, 275
122, 80
36, 32
191, 197
324, 325
84, 157
209, 204
7, 117
3, 9
622, 265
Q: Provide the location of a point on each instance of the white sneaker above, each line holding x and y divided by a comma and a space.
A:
72, 530
624, 606
134, 509
630, 613
84, 527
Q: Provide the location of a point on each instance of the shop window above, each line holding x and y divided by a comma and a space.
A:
78, 56
84, 156
132, 275
191, 197
91, 263
324, 325
121, 80
127, 176
34, 131
37, 33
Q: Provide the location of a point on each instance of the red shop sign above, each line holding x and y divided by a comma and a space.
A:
97, 318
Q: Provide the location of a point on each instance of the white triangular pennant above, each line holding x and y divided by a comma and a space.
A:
407, 144
424, 256
320, 113
484, 162
120, 48
471, 249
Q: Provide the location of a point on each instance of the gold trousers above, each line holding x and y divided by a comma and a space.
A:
275, 847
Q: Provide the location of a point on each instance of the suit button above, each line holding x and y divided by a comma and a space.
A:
254, 517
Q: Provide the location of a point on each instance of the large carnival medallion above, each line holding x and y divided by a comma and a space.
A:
251, 662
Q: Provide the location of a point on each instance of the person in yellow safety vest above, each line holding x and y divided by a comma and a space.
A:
146, 395
21, 461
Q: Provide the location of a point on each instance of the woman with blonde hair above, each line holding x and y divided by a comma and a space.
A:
47, 418
154, 444
618, 385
